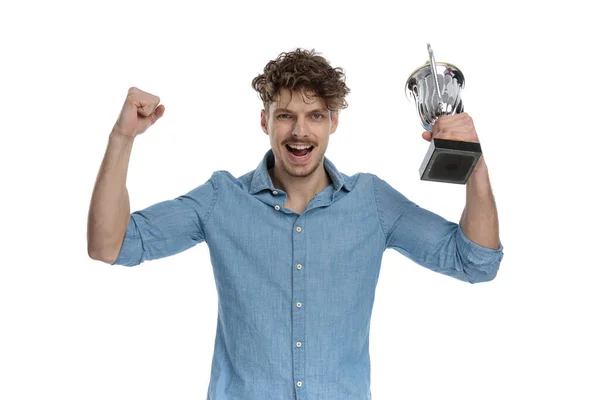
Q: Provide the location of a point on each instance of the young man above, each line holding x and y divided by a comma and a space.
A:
296, 245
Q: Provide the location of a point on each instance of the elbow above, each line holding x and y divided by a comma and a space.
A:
102, 257
102, 247
482, 273
99, 254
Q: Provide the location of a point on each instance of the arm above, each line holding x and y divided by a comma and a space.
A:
108, 215
163, 229
109, 207
479, 220
169, 227
430, 240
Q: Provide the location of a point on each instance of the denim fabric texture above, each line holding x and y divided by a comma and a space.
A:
295, 292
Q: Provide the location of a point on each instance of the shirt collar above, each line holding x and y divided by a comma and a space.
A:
261, 179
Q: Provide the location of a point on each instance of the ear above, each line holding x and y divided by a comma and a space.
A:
334, 121
263, 121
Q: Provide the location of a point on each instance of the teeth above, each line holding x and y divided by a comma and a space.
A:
299, 147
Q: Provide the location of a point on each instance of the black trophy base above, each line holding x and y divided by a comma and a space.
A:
450, 161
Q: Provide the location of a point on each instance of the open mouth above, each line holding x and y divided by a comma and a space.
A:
299, 153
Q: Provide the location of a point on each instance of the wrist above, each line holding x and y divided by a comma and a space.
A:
116, 136
479, 181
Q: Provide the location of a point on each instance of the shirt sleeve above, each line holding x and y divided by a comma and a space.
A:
168, 227
430, 240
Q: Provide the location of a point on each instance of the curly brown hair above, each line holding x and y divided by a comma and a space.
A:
304, 71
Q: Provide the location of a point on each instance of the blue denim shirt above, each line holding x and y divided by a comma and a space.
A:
295, 292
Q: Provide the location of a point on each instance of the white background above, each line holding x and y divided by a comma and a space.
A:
74, 328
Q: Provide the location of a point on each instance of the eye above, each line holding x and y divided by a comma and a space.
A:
320, 115
282, 116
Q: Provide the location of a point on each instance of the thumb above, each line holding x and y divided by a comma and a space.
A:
159, 112
427, 135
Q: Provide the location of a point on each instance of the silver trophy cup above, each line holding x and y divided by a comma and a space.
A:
437, 94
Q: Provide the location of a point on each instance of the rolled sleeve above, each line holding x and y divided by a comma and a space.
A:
131, 248
168, 227
482, 262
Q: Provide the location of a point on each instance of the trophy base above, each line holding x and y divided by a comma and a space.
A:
450, 161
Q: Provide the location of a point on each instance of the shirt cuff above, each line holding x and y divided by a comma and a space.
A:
475, 253
131, 248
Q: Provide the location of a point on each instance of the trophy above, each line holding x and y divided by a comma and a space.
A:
435, 90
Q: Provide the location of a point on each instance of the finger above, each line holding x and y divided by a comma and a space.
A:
144, 102
149, 105
427, 136
454, 121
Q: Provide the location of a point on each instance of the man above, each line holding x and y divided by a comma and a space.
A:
296, 245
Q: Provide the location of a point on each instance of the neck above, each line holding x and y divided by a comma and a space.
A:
300, 189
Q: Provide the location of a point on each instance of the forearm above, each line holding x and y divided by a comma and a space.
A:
109, 207
479, 220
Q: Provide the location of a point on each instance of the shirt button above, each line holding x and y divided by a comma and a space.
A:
299, 383
298, 344
299, 266
277, 207
275, 192
298, 229
298, 304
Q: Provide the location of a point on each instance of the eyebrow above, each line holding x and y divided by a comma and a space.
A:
285, 110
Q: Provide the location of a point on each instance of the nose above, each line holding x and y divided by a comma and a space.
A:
300, 128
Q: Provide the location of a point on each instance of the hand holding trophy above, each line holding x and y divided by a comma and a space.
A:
435, 90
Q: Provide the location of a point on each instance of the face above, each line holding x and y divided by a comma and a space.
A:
297, 120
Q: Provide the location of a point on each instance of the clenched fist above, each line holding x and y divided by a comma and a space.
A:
139, 112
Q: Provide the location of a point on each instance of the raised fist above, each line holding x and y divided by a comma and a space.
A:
139, 112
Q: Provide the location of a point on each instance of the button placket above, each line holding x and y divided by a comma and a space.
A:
298, 315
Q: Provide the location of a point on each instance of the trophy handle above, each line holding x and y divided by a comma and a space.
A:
433, 67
